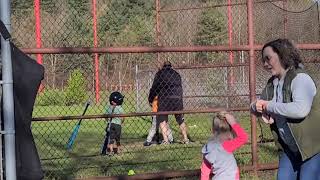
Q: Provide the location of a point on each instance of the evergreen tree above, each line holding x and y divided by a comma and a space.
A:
76, 92
126, 22
212, 30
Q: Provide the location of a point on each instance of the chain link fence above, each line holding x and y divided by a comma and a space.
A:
210, 79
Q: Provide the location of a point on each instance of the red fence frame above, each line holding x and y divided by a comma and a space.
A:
251, 47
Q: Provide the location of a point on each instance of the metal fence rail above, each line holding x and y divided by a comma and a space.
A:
91, 48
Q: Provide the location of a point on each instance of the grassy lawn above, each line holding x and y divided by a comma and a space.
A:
84, 159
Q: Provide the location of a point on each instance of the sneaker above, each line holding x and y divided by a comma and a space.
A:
146, 143
110, 153
186, 141
165, 143
116, 150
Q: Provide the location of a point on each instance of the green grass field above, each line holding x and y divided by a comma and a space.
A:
84, 159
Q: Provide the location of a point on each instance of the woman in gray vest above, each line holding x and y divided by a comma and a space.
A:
290, 104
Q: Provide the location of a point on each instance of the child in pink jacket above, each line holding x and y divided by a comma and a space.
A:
218, 157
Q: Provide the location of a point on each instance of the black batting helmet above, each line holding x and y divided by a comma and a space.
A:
116, 97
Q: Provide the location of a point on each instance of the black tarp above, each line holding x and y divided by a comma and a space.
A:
27, 76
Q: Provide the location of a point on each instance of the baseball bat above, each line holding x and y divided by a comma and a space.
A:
76, 129
106, 140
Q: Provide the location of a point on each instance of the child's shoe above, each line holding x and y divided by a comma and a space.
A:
110, 153
146, 143
165, 143
186, 141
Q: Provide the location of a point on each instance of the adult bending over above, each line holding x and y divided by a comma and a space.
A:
168, 87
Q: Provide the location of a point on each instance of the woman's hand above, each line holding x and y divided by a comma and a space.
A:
261, 105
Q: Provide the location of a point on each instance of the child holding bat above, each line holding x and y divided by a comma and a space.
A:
113, 131
155, 127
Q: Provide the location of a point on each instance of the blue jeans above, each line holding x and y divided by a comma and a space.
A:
308, 169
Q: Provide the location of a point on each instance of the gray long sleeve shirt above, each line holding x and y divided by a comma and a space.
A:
303, 91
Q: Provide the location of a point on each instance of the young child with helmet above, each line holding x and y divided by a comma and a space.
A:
113, 130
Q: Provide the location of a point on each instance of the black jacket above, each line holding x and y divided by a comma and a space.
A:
166, 85
27, 76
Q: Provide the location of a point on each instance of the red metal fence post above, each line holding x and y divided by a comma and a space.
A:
96, 56
158, 29
230, 31
285, 19
38, 33
252, 81
38, 28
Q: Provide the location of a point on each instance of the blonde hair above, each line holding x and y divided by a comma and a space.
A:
221, 129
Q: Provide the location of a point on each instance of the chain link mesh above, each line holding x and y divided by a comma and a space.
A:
209, 79
197, 13
287, 19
